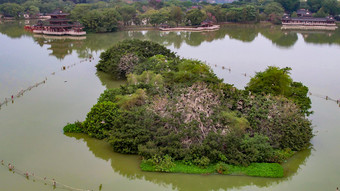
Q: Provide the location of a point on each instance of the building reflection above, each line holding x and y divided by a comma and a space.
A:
60, 46
84, 46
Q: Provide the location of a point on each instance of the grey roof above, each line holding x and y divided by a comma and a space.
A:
303, 11
58, 12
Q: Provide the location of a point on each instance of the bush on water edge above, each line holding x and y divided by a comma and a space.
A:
75, 127
270, 170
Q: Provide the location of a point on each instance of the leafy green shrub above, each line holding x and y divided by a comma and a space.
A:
157, 64
147, 77
102, 118
202, 162
111, 58
100, 20
113, 95
75, 127
279, 119
190, 72
128, 101
256, 148
273, 81
222, 168
231, 119
277, 81
110, 95
136, 128
273, 170
280, 156
299, 96
162, 164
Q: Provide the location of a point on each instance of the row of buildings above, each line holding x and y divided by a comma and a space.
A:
305, 20
59, 24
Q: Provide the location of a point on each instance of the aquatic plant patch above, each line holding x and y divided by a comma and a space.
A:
270, 170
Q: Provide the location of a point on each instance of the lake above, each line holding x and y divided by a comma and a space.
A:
31, 136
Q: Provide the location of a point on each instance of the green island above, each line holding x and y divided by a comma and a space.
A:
180, 117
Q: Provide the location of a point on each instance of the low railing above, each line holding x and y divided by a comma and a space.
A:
38, 31
75, 33
55, 33
310, 24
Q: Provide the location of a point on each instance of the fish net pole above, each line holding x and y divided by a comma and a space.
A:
64, 68
36, 178
13, 97
325, 97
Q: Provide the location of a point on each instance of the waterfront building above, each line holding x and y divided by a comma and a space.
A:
305, 20
58, 25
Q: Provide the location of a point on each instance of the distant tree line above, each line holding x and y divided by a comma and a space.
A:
109, 15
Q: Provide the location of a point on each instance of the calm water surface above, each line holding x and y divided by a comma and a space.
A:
31, 134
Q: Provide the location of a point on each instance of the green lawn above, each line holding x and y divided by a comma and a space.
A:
272, 170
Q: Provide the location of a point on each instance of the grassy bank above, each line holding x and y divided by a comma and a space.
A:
272, 170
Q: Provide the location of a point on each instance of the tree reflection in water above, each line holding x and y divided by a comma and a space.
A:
62, 46
128, 166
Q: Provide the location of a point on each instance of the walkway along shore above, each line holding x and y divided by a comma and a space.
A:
191, 29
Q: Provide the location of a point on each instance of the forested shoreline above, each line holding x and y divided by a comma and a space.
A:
110, 16
175, 112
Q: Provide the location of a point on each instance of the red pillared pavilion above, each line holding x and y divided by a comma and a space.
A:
58, 25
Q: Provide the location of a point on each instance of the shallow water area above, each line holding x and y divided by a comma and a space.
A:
31, 136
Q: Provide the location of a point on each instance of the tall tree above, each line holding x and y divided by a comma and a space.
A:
250, 13
33, 10
289, 5
105, 20
128, 13
277, 81
159, 17
12, 10
331, 6
176, 14
195, 16
314, 5
273, 7
80, 11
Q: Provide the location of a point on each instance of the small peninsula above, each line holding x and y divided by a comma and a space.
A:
180, 117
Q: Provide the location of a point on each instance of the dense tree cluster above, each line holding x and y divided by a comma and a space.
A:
178, 108
16, 8
276, 81
122, 58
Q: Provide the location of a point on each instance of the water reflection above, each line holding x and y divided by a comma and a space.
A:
13, 29
128, 166
108, 81
62, 46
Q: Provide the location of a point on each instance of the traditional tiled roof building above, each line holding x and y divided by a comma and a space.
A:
305, 20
